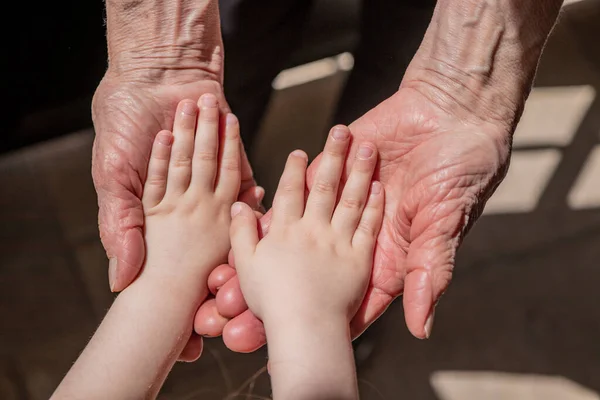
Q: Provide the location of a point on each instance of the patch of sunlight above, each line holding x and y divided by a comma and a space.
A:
567, 2
476, 385
585, 193
528, 176
313, 71
553, 115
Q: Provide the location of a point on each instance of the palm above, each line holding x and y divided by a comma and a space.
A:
438, 173
127, 116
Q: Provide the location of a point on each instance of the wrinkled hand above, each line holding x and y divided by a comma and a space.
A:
438, 170
127, 116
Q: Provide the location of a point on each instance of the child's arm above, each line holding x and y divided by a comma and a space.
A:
136, 345
308, 276
192, 182
311, 358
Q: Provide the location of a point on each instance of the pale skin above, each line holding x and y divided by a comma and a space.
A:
194, 176
444, 141
286, 277
193, 179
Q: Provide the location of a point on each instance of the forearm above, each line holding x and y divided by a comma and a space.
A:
311, 359
136, 345
162, 39
479, 57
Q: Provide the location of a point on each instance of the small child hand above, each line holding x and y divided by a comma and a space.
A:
193, 179
316, 260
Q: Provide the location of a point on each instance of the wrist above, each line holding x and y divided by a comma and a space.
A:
164, 40
478, 58
183, 288
311, 357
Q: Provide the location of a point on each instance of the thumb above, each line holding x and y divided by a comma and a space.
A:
429, 271
124, 243
243, 231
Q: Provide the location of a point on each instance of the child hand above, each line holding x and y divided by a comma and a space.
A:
193, 179
316, 260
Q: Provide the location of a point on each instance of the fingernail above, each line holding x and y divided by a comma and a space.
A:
299, 153
231, 119
236, 208
375, 188
189, 108
209, 100
365, 152
112, 273
165, 138
340, 133
429, 324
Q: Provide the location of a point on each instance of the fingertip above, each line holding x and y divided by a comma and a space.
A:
365, 151
376, 188
164, 138
259, 194
231, 120
192, 350
230, 300
130, 262
418, 303
340, 132
208, 100
219, 277
244, 334
208, 322
299, 154
237, 208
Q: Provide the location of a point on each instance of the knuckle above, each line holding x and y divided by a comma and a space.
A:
288, 186
207, 156
230, 164
366, 228
156, 180
182, 161
334, 152
323, 186
352, 203
160, 156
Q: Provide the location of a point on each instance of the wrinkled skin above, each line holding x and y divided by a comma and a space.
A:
127, 115
438, 171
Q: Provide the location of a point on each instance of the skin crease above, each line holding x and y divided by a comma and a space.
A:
444, 140
427, 198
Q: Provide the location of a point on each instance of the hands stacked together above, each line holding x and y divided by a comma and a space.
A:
435, 182
443, 140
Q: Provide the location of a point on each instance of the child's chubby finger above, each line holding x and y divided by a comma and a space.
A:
288, 204
180, 168
356, 191
206, 149
372, 217
323, 193
158, 169
229, 176
243, 232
